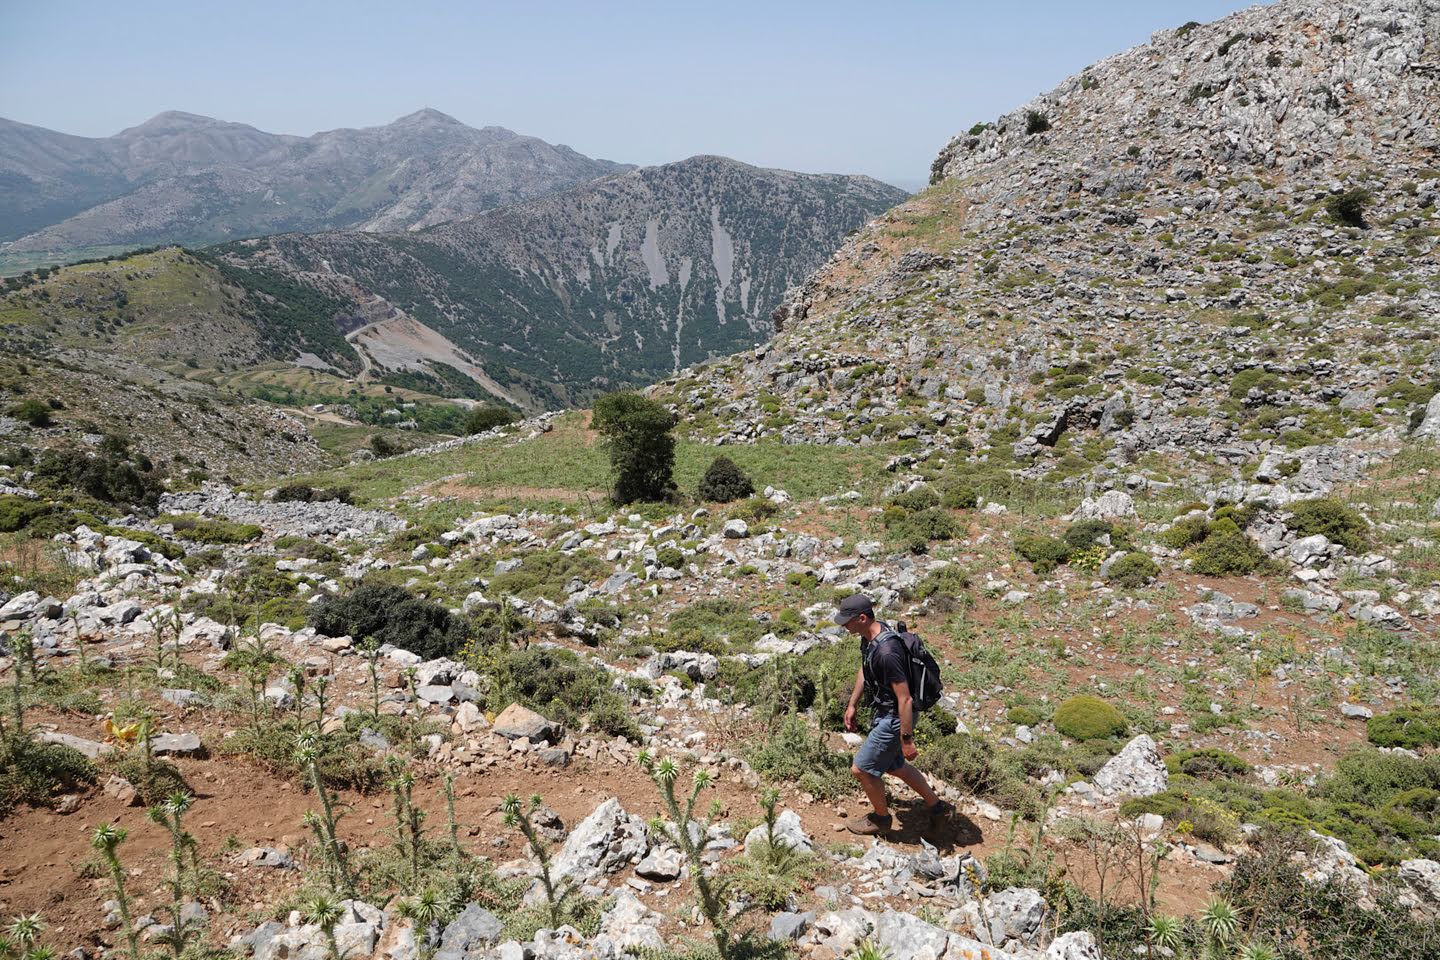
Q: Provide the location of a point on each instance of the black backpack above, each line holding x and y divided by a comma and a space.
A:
921, 670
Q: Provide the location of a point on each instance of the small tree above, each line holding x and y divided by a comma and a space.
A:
642, 449
489, 416
1348, 208
1036, 122
724, 481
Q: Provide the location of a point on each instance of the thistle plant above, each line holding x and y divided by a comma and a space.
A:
371, 649
457, 855
1221, 923
325, 912
182, 844
322, 685
408, 817
692, 836
24, 650
1164, 932
307, 754
518, 815
19, 940
106, 840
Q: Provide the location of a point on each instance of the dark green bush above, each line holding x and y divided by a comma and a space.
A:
724, 481
795, 754
975, 766
212, 531
547, 573
383, 447
1207, 763
1337, 522
559, 685
917, 530
1225, 550
304, 493
1088, 533
1408, 727
390, 614
1023, 716
947, 584
913, 501
1252, 377
1086, 717
712, 626
1185, 532
641, 446
1348, 208
31, 411
33, 772
1036, 122
960, 496
17, 513
488, 416
670, 557
1044, 553
1133, 570
109, 478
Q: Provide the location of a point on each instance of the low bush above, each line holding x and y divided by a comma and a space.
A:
1084, 534
488, 416
559, 685
390, 614
724, 482
960, 496
1044, 553
548, 574
1408, 727
304, 493
34, 773
942, 587
1185, 532
342, 761
1332, 519
1023, 716
795, 754
1036, 122
212, 531
1206, 763
912, 501
31, 411
1086, 717
1133, 570
916, 531
975, 766
1225, 550
1348, 208
712, 626
1252, 378
17, 513
113, 476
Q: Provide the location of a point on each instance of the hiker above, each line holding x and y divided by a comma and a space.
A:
884, 676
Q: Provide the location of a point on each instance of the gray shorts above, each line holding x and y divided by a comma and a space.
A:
880, 753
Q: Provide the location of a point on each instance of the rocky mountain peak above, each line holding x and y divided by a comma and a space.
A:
172, 122
427, 116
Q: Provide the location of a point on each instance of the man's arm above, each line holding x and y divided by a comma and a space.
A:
905, 711
855, 695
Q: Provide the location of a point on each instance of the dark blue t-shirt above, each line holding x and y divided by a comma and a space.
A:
883, 664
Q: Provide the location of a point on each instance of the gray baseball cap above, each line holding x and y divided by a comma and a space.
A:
852, 606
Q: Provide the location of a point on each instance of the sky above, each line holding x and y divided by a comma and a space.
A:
839, 86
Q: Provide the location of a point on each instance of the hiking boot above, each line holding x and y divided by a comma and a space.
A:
941, 811
872, 824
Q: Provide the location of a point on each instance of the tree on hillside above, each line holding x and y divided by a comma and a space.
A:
642, 450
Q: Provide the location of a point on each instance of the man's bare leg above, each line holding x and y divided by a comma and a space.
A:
917, 782
874, 789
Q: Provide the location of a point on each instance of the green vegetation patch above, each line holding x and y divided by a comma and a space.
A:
1086, 717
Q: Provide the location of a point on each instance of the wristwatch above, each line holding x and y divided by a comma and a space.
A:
905, 739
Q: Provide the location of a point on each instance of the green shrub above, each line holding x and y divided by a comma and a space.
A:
946, 584
1088, 533
1225, 550
795, 754
17, 513
1023, 716
641, 447
1185, 532
1036, 122
1206, 763
1409, 727
1134, 570
559, 685
488, 416
212, 531
304, 493
960, 496
917, 530
913, 501
390, 614
670, 557
342, 761
109, 477
1348, 208
1044, 553
1085, 717
33, 772
1337, 522
712, 626
724, 482
548, 573
975, 766
31, 411
1252, 377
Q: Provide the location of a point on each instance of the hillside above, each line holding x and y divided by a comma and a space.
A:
613, 283
182, 178
1145, 444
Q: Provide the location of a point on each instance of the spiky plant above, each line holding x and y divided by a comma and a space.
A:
457, 855
1164, 931
307, 754
692, 835
106, 840
518, 815
1220, 920
868, 950
24, 931
325, 911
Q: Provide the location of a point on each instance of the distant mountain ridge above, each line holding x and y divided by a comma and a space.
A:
611, 283
184, 178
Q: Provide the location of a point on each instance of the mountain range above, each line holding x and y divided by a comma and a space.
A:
182, 178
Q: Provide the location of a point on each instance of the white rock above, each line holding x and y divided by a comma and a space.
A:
1136, 771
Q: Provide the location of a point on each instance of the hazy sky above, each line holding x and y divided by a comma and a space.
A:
853, 87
